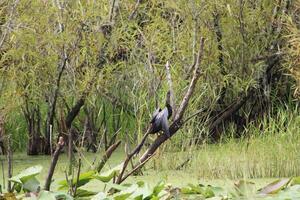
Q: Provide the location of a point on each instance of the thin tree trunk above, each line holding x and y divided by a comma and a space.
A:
9, 164
55, 157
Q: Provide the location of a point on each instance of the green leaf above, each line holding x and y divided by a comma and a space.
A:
143, 191
26, 179
295, 180
84, 178
62, 196
101, 196
126, 193
158, 188
110, 174
192, 189
208, 192
275, 186
116, 186
27, 174
84, 193
46, 195
31, 185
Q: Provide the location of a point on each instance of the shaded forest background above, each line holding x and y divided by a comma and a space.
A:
97, 69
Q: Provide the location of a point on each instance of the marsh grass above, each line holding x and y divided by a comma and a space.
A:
266, 150
270, 149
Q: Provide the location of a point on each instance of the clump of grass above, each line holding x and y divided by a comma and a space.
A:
270, 149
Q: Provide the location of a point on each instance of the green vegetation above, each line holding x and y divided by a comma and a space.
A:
85, 76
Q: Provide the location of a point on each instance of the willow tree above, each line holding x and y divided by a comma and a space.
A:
49, 56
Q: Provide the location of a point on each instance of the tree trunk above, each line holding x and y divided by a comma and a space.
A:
35, 143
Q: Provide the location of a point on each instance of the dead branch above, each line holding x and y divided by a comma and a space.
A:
107, 155
177, 120
129, 156
192, 85
170, 83
173, 128
58, 149
140, 165
193, 115
195, 37
113, 137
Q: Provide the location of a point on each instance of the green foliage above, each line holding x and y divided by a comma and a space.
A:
88, 176
287, 188
26, 180
45, 195
130, 56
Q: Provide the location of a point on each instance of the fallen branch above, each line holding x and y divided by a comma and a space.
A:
58, 149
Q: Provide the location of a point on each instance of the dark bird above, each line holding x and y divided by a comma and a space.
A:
159, 121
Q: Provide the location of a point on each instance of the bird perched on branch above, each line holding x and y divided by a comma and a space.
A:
159, 121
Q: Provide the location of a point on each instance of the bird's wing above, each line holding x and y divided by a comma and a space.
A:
156, 112
164, 122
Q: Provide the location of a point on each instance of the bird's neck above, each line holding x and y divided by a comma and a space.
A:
170, 111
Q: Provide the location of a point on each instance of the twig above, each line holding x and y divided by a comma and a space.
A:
195, 36
136, 168
113, 137
70, 150
136, 6
192, 116
51, 147
194, 80
107, 155
77, 177
59, 147
111, 13
183, 164
129, 156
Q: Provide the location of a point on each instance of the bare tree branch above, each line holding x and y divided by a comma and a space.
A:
107, 155
170, 83
140, 165
137, 149
59, 147
173, 128
191, 88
